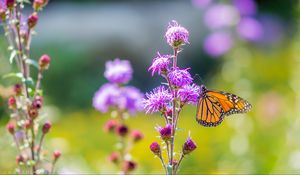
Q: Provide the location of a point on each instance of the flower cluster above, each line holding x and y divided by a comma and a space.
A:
241, 16
26, 126
169, 99
123, 100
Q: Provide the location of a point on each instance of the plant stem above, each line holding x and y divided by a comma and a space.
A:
163, 164
179, 162
39, 148
38, 83
174, 113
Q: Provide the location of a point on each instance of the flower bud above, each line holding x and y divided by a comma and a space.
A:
12, 103
137, 135
33, 113
188, 146
44, 62
174, 163
122, 130
155, 148
166, 132
19, 159
56, 154
32, 20
37, 4
10, 4
129, 166
28, 124
114, 157
18, 89
11, 128
110, 126
2, 13
37, 102
46, 127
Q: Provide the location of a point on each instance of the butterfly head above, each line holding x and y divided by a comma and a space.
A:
203, 90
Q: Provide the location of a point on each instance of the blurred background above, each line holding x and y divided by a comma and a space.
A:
247, 47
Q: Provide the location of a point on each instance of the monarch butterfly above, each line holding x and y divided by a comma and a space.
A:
213, 106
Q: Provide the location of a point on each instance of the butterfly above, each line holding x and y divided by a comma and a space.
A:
213, 106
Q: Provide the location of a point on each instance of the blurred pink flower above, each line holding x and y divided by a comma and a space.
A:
218, 43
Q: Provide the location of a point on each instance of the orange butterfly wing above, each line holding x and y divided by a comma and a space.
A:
213, 106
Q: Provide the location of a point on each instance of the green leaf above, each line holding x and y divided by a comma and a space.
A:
32, 62
12, 56
13, 75
28, 81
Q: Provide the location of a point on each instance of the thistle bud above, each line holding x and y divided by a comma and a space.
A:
12, 103
2, 13
129, 166
189, 146
11, 128
114, 157
32, 20
33, 113
155, 148
46, 127
137, 135
10, 4
44, 62
56, 154
165, 132
37, 102
19, 159
110, 126
18, 89
28, 124
37, 4
122, 130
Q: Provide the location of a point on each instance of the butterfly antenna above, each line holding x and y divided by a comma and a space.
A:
198, 77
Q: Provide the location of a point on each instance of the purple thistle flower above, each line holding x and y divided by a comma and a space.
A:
160, 63
165, 132
176, 35
189, 146
218, 43
105, 97
157, 99
221, 15
189, 94
245, 7
131, 99
118, 71
180, 77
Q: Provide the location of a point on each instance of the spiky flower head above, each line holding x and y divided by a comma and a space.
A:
165, 132
176, 35
189, 94
189, 146
160, 64
157, 99
180, 77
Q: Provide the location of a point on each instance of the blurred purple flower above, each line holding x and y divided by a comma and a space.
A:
105, 97
157, 99
160, 63
131, 99
245, 7
273, 29
250, 29
180, 77
189, 94
218, 43
201, 3
176, 35
118, 71
221, 15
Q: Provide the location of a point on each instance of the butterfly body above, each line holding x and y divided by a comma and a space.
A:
213, 106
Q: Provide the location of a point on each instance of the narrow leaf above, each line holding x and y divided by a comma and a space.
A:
12, 56
32, 62
13, 75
